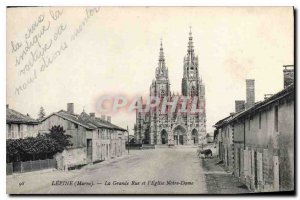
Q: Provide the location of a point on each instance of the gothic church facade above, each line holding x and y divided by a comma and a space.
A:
174, 128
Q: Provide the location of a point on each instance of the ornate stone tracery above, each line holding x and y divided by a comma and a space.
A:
175, 128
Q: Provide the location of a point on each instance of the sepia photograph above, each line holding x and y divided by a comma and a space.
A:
150, 100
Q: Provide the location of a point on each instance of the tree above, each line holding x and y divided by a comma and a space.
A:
62, 140
41, 113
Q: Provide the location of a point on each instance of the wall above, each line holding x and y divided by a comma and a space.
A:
71, 157
96, 145
77, 132
286, 144
267, 160
15, 131
225, 146
77, 153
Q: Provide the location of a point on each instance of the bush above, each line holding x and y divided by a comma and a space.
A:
40, 147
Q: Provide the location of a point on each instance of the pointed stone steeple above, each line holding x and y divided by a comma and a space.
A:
190, 54
161, 70
190, 78
161, 59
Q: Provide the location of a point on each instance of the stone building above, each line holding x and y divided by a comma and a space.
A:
19, 125
261, 141
174, 127
94, 139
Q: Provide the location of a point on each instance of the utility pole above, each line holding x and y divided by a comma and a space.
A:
128, 140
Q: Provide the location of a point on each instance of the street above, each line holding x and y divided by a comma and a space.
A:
175, 170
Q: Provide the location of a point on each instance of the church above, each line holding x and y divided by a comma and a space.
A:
174, 128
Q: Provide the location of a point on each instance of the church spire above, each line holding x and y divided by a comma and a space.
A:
190, 46
161, 59
161, 70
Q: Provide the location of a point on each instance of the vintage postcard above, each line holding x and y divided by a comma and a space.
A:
150, 100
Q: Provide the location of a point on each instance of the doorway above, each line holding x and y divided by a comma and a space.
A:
89, 150
176, 139
181, 139
164, 137
195, 137
180, 134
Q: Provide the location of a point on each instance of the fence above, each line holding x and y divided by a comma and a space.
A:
29, 166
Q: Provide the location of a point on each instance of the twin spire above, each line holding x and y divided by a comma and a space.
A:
190, 51
190, 55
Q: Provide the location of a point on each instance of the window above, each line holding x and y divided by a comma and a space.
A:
25, 132
76, 126
276, 119
29, 130
20, 131
193, 91
9, 131
259, 120
13, 131
69, 125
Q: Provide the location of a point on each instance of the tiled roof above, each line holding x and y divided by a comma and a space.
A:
85, 120
100, 123
222, 121
90, 120
70, 117
13, 116
76, 119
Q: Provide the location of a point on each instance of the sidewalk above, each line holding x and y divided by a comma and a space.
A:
30, 182
219, 181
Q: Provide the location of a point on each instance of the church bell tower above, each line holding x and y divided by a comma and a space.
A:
191, 81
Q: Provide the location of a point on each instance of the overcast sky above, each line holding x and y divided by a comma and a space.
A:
116, 52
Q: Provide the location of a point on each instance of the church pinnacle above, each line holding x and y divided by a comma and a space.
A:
190, 46
161, 56
161, 70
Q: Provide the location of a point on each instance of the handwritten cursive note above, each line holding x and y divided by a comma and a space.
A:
43, 42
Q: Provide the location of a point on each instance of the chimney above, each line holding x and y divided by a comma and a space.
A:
103, 117
250, 93
109, 119
7, 105
92, 115
288, 75
231, 114
70, 108
239, 105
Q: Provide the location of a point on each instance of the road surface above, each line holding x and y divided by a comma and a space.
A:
157, 171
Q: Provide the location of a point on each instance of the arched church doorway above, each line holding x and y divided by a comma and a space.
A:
146, 139
195, 137
164, 137
179, 135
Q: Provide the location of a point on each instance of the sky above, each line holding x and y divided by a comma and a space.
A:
114, 50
